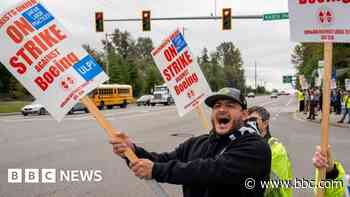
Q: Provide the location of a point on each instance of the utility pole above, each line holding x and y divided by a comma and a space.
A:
107, 61
183, 31
215, 8
255, 76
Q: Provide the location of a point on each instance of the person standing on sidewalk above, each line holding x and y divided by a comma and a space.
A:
307, 100
312, 105
346, 100
338, 102
301, 100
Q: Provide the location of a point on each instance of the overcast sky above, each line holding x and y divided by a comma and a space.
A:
266, 43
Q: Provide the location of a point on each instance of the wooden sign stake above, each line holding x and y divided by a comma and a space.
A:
103, 122
203, 118
328, 55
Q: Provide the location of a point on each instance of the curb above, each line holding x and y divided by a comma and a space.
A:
297, 116
10, 114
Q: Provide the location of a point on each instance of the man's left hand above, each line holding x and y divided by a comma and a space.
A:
142, 168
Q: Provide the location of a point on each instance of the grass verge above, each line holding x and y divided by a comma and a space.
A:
12, 106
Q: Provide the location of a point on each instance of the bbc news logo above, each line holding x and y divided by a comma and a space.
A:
52, 175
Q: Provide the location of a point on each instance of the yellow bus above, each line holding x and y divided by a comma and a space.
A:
110, 95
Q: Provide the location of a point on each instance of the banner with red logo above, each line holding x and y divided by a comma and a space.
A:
40, 53
181, 73
319, 21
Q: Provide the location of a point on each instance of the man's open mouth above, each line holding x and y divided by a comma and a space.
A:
223, 122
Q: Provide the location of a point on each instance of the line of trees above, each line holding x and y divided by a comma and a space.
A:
130, 62
305, 57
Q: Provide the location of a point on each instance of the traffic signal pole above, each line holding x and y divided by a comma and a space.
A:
187, 18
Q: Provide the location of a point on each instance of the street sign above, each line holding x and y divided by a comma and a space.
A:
181, 73
319, 21
287, 79
276, 16
39, 52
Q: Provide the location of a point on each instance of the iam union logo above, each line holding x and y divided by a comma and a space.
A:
67, 83
325, 16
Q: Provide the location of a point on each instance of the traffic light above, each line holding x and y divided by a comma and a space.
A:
146, 20
99, 21
226, 19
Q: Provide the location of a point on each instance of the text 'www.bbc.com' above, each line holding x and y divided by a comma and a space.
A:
250, 184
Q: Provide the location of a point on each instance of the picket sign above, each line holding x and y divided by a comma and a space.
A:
182, 75
323, 22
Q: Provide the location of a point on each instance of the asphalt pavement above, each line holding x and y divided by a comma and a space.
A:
79, 144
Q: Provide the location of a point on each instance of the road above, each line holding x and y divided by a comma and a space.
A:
78, 143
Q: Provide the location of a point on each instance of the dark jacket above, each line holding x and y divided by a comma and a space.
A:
212, 165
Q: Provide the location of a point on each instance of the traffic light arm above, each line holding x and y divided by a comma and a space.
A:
188, 18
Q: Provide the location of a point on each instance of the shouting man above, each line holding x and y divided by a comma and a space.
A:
231, 160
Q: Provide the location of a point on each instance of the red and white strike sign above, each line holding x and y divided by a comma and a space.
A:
319, 21
181, 73
38, 51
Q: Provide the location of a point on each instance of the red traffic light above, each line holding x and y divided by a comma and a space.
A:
226, 19
99, 21
146, 20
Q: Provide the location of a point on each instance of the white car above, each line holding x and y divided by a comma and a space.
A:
274, 95
144, 100
251, 94
33, 108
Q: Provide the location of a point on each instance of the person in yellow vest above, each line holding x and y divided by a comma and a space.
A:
281, 166
346, 100
334, 171
301, 99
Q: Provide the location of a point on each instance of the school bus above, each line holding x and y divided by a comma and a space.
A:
110, 95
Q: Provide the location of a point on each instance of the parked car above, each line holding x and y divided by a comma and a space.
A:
251, 94
284, 93
274, 95
144, 100
78, 107
33, 108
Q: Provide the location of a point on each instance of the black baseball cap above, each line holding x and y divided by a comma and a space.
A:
227, 94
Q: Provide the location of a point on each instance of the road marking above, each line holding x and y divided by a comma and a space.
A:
67, 140
290, 101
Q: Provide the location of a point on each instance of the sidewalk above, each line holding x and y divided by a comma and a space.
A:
333, 119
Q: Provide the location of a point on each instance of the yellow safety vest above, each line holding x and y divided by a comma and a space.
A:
300, 95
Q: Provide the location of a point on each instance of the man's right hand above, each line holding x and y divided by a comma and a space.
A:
121, 143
